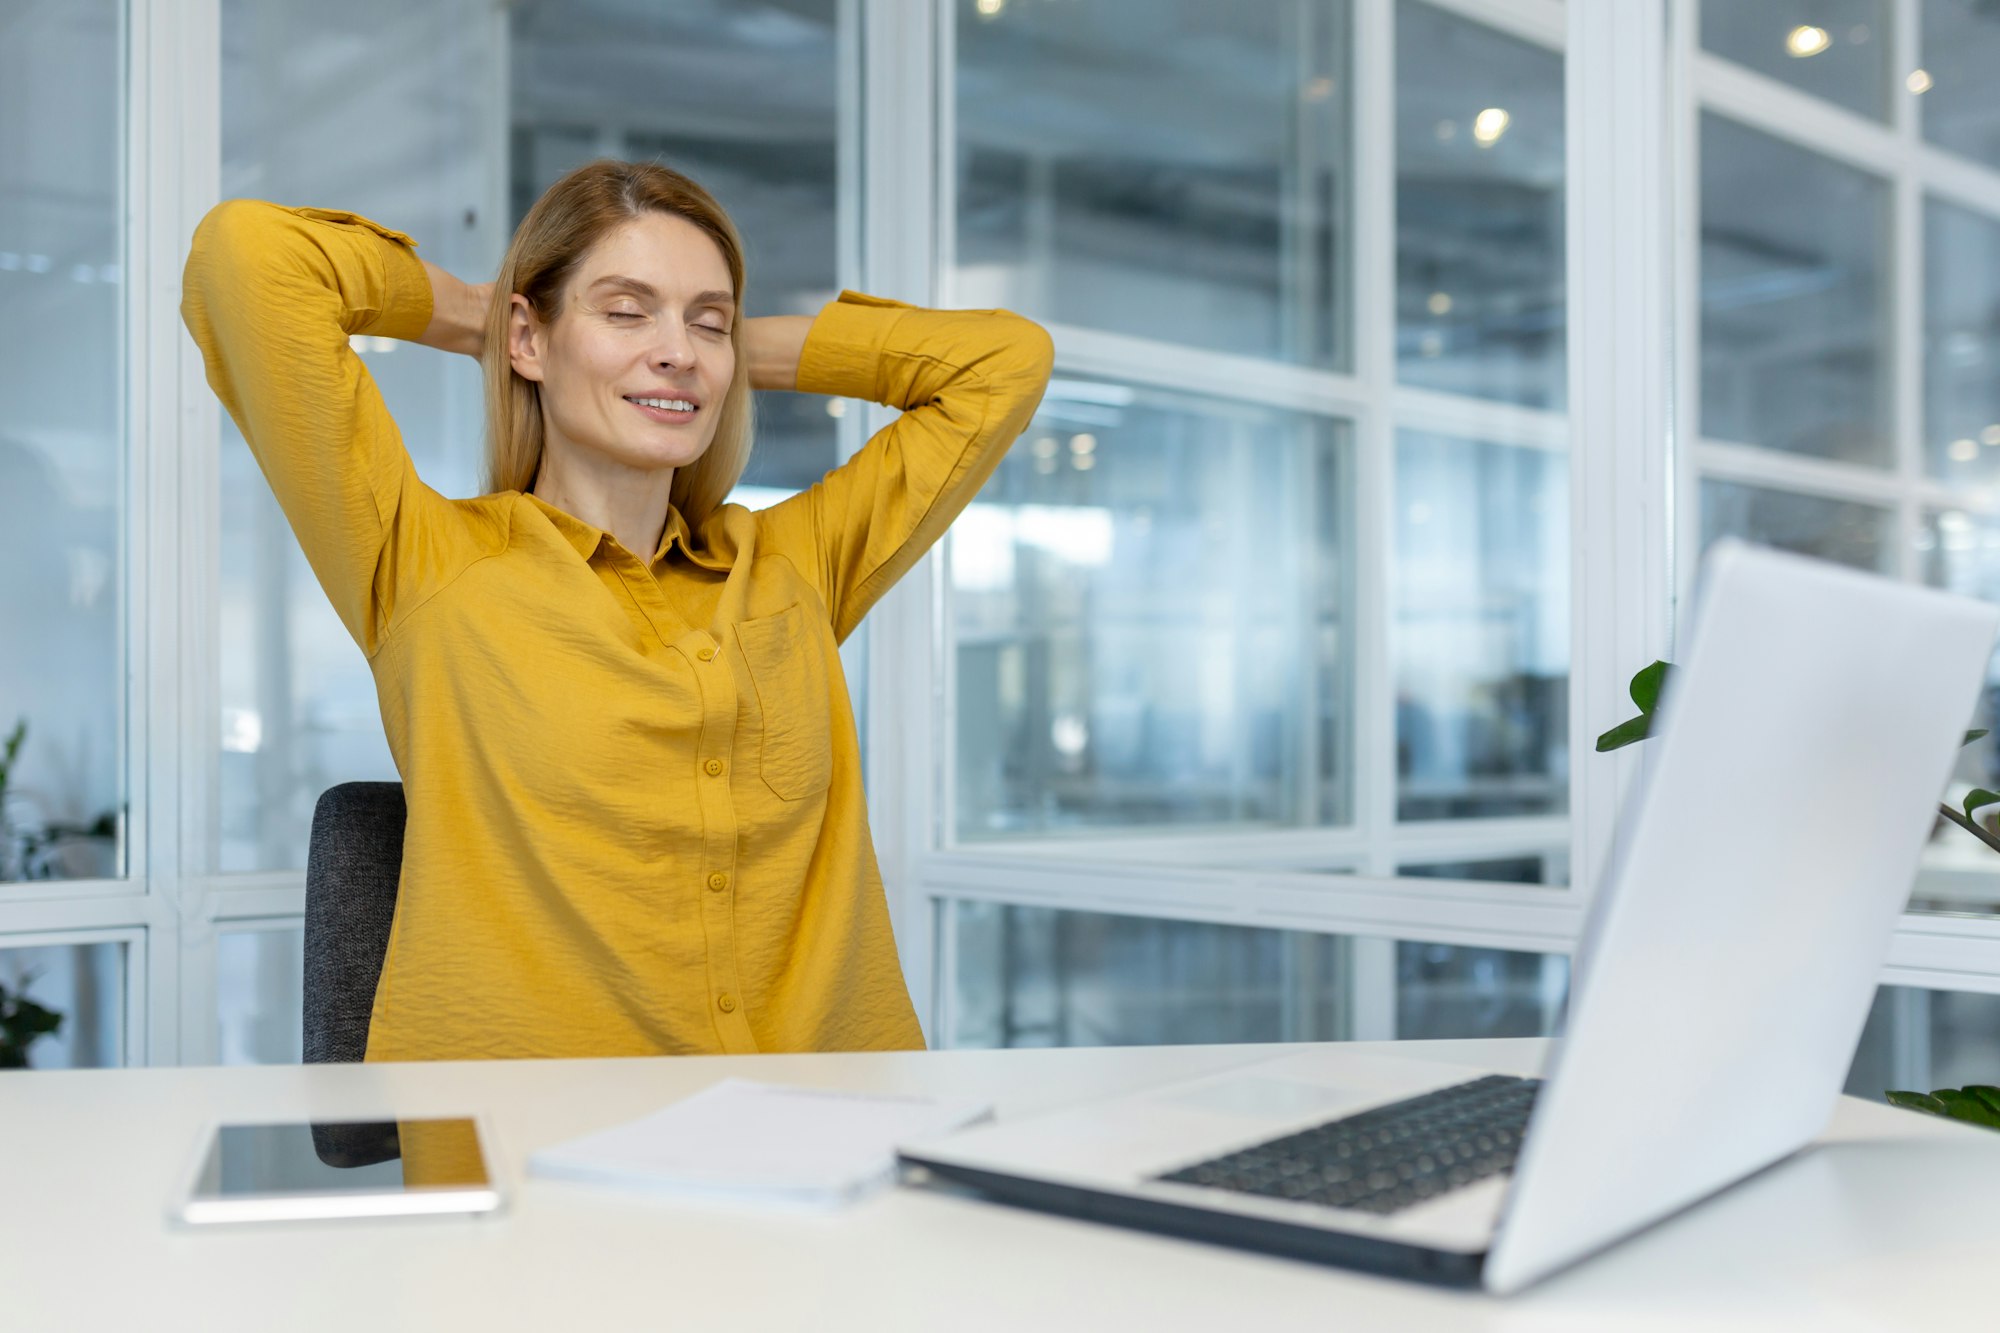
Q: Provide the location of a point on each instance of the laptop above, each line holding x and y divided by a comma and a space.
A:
1720, 985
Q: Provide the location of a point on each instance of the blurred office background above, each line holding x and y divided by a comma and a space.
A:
1240, 706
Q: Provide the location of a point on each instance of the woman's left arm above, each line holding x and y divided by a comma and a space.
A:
771, 349
967, 383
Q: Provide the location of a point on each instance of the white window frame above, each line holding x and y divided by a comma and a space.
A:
1930, 951
1632, 244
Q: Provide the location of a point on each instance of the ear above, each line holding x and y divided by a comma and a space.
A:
525, 339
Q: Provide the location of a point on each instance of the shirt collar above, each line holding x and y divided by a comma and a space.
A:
586, 539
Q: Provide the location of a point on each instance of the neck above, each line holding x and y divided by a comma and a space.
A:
627, 502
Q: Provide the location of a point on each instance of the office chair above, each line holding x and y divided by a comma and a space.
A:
353, 867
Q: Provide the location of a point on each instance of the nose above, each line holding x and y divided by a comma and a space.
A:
674, 348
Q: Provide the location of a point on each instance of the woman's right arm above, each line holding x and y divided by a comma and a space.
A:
272, 296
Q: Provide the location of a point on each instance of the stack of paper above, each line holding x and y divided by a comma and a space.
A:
760, 1143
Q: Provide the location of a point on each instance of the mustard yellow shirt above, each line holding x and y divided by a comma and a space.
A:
636, 822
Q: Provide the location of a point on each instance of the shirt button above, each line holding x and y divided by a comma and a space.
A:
726, 1002
718, 881
707, 654
714, 767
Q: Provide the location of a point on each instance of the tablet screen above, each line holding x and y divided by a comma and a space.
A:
340, 1169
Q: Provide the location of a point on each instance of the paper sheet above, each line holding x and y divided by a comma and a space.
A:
760, 1142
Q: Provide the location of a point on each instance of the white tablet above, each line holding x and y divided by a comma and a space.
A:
330, 1169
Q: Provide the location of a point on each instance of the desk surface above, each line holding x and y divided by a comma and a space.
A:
1888, 1223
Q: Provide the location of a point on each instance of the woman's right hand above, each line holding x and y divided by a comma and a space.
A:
458, 313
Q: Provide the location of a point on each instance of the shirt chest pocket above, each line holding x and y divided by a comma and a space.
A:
788, 668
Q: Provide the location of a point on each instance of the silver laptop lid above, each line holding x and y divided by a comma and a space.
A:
1733, 951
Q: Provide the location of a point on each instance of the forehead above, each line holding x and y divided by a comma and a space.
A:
661, 250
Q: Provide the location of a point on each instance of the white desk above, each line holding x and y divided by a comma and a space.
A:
1892, 1223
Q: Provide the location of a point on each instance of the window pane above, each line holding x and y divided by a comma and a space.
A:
1175, 169
1838, 530
84, 986
1961, 344
1795, 351
1033, 976
1959, 873
62, 476
1444, 990
260, 996
306, 109
1549, 867
1961, 49
1835, 49
1116, 668
1917, 1040
1479, 211
1482, 629
750, 112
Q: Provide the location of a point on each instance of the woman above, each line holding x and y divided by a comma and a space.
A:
635, 810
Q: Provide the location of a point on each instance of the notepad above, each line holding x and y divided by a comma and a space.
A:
760, 1143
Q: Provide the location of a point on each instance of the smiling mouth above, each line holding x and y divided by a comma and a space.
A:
665, 407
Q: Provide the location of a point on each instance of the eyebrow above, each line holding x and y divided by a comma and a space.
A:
646, 289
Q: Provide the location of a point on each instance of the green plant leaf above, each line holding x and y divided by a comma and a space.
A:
1972, 736
1960, 1105
1978, 797
1646, 686
1987, 1093
1916, 1101
1625, 733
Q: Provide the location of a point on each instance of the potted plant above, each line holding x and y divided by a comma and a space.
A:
1977, 1103
22, 1024
10, 855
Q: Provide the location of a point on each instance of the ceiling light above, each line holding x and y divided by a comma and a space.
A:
1447, 130
1964, 451
1802, 41
1919, 81
1439, 304
1490, 124
836, 408
1319, 89
1082, 443
1044, 446
1991, 435
990, 9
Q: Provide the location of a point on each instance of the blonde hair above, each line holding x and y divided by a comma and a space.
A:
571, 217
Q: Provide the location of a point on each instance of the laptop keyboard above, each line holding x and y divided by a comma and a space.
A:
1388, 1159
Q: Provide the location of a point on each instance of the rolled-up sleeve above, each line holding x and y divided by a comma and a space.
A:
967, 383
272, 296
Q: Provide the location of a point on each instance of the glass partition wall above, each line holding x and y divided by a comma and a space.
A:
1252, 699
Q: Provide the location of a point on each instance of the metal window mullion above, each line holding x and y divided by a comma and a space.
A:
172, 174
1479, 419
1225, 375
1782, 111
1684, 167
1797, 473
1372, 496
1958, 179
1543, 22
897, 213
1906, 344
1621, 408
1371, 958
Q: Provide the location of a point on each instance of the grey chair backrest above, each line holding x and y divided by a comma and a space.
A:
353, 867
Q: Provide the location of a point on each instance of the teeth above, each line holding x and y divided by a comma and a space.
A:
665, 404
